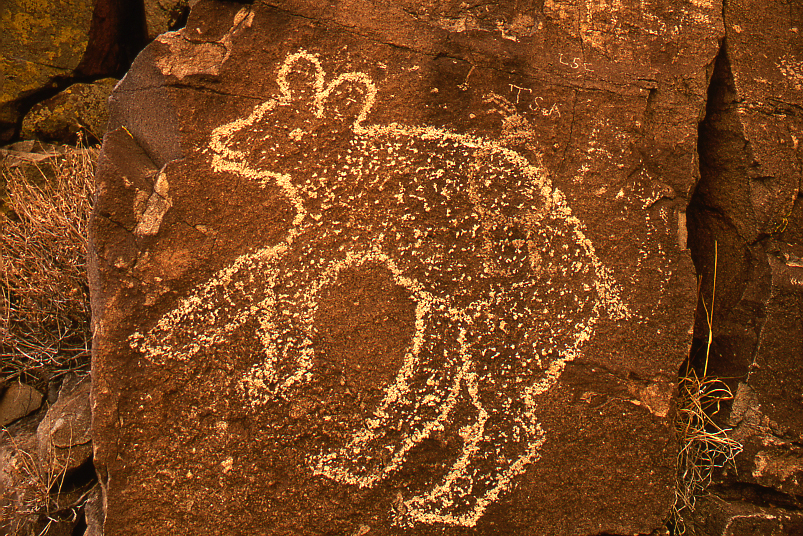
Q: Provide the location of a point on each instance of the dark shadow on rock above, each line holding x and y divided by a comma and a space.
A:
117, 34
723, 237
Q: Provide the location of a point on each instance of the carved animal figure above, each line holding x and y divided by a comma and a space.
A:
506, 288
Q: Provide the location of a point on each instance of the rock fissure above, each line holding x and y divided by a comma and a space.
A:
742, 218
201, 87
794, 105
763, 496
717, 212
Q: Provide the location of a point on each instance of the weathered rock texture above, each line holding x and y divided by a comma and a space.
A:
367, 268
81, 109
749, 205
46, 473
41, 41
64, 435
164, 15
18, 400
18, 470
48, 45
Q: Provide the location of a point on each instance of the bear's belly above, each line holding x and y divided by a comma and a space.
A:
364, 326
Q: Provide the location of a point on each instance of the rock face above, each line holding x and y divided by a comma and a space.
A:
18, 470
43, 485
50, 45
749, 204
409, 269
64, 435
163, 15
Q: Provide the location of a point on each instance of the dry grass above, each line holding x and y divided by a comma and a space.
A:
705, 445
38, 503
34, 499
44, 296
44, 305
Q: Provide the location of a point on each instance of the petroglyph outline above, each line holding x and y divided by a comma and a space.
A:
200, 314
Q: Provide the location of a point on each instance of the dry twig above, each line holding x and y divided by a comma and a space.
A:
705, 445
44, 296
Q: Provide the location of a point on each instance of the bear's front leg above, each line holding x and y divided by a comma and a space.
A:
416, 404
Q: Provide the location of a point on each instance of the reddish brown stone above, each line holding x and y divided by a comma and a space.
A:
741, 518
397, 270
748, 230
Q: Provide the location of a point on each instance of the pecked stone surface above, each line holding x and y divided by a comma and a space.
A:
397, 269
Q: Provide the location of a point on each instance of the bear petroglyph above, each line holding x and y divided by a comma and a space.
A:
504, 286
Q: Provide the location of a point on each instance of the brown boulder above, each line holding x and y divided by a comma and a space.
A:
64, 435
164, 15
18, 400
22, 491
397, 270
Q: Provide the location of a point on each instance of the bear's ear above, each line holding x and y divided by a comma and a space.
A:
350, 95
300, 79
